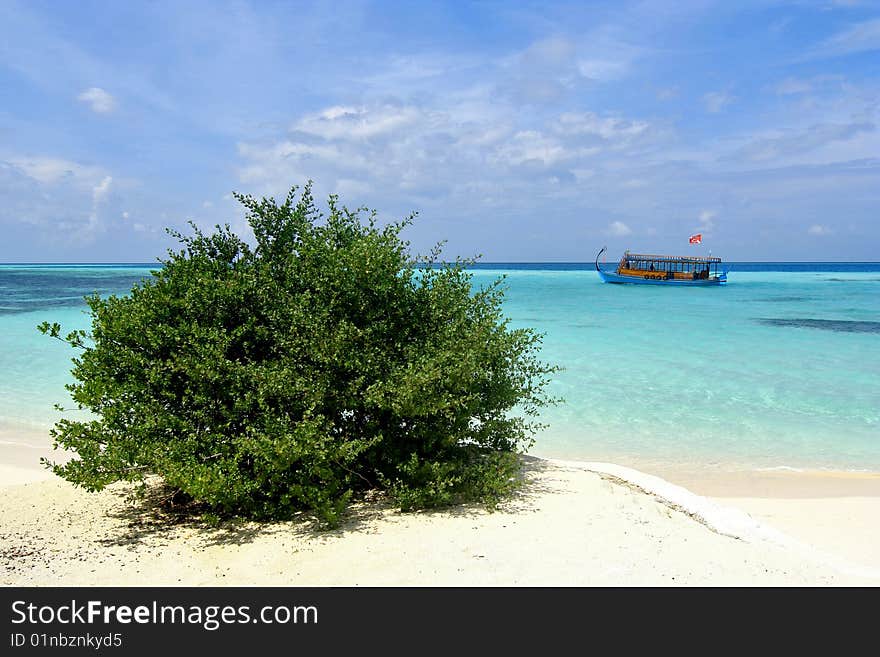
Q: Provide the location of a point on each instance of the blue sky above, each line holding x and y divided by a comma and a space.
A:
522, 131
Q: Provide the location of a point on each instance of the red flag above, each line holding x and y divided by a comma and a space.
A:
696, 239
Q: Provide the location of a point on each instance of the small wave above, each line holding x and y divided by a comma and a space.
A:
825, 470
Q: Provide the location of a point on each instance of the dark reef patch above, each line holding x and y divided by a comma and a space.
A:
853, 280
837, 325
782, 299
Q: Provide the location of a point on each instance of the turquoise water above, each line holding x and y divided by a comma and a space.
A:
780, 368
35, 368
775, 369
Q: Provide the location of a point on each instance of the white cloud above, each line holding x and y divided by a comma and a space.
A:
550, 69
101, 190
125, 215
582, 175
707, 218
290, 150
100, 193
818, 230
603, 70
417, 153
531, 146
618, 229
541, 73
554, 69
99, 100
429, 130
51, 170
715, 101
603, 57
609, 128
63, 197
349, 188
276, 166
412, 70
341, 122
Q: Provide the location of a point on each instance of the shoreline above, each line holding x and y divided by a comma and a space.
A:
24, 447
772, 484
839, 529
573, 523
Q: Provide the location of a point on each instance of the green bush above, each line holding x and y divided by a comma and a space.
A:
264, 380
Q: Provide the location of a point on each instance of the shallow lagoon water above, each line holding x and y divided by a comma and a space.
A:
778, 369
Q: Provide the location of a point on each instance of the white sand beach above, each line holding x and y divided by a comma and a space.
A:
568, 526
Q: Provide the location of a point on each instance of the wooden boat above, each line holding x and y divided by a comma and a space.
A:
645, 269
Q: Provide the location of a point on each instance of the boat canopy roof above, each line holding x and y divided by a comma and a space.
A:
668, 258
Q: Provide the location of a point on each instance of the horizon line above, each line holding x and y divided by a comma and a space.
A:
480, 262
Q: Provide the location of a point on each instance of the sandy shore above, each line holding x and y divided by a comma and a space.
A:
568, 526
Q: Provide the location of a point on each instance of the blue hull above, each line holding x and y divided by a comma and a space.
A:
612, 277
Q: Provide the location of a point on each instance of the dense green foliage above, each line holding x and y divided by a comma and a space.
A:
290, 375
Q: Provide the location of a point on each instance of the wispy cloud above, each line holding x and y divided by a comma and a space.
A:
423, 150
605, 127
98, 100
542, 73
50, 170
801, 141
608, 54
792, 86
824, 84
860, 37
553, 68
618, 229
819, 230
707, 219
603, 69
485, 119
715, 101
67, 198
340, 122
100, 195
531, 146
101, 190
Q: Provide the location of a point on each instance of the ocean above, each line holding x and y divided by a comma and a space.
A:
779, 369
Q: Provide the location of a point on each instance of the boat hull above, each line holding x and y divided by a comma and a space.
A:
613, 277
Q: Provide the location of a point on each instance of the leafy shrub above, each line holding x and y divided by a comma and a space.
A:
323, 361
